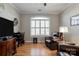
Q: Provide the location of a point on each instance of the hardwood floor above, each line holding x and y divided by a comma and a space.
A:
30, 49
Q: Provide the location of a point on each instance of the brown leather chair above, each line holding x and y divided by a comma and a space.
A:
50, 43
19, 38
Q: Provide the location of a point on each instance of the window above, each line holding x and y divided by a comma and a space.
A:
40, 26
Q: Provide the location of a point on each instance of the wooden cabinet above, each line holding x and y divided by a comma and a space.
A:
0, 48
4, 48
8, 47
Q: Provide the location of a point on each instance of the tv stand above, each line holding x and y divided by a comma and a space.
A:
8, 47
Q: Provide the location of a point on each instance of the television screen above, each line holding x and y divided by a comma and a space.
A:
6, 27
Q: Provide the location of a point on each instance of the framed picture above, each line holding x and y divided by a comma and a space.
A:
74, 20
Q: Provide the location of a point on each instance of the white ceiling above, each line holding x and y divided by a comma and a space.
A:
32, 8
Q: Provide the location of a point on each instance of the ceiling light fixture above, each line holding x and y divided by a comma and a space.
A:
45, 4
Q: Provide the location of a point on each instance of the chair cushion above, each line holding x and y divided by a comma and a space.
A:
48, 40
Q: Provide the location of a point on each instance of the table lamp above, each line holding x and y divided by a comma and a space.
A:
63, 29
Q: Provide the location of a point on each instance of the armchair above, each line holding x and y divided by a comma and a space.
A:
50, 43
19, 38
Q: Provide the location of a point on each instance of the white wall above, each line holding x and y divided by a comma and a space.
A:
10, 13
73, 34
25, 24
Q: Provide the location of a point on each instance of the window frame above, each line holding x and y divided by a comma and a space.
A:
40, 27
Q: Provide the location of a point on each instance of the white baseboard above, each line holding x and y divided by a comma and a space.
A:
32, 41
28, 41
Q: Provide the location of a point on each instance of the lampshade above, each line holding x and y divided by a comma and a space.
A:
63, 29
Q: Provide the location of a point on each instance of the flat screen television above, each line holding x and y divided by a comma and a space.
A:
6, 27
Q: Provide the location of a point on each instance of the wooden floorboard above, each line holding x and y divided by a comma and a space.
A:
30, 49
